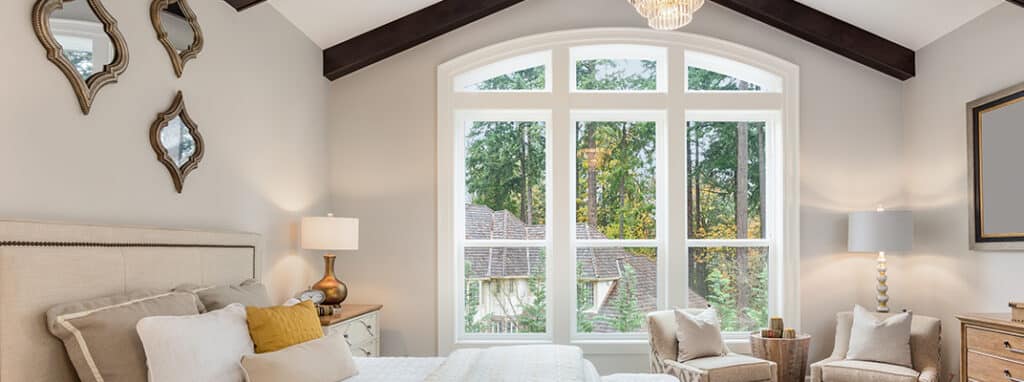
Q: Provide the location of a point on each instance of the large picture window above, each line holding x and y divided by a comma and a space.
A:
588, 178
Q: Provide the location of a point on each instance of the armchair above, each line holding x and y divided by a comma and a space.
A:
730, 367
925, 337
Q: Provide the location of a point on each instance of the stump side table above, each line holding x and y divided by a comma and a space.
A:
790, 354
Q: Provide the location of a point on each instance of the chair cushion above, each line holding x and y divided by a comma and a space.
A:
864, 371
733, 368
698, 335
880, 339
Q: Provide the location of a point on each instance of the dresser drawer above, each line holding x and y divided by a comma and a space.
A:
984, 368
369, 349
358, 330
996, 343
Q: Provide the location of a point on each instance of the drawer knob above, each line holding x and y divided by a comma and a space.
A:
1009, 377
346, 336
1011, 349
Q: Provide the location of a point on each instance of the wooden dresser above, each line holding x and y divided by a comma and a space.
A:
991, 348
359, 325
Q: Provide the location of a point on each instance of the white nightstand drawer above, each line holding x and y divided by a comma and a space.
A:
369, 349
358, 330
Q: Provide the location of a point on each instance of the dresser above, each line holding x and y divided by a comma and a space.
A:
359, 325
991, 348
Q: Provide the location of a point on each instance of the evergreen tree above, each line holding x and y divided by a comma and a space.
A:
721, 298
533, 318
472, 303
629, 317
584, 302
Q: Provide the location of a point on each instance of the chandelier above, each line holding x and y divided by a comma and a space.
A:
667, 14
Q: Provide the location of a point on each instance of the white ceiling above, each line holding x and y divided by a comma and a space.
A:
911, 23
328, 22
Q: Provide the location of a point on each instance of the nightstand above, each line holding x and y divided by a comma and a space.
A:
359, 325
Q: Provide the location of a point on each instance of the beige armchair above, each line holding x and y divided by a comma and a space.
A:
925, 336
731, 367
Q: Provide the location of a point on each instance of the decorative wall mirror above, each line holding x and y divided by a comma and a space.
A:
995, 132
82, 39
178, 30
175, 138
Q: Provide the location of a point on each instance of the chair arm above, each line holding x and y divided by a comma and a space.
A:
684, 373
816, 367
929, 374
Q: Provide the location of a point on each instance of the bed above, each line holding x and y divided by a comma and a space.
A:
45, 264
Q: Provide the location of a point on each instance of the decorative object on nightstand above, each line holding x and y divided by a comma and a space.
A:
991, 347
330, 234
1017, 311
359, 325
790, 354
881, 231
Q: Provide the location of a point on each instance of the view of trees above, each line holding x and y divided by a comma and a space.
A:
615, 194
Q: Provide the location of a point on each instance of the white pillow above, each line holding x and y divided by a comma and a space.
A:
698, 335
326, 359
880, 340
203, 347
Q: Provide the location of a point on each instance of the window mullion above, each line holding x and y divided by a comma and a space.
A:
675, 266
561, 277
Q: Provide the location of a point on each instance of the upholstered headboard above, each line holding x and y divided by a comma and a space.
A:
44, 264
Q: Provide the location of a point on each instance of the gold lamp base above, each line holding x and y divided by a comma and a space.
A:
335, 291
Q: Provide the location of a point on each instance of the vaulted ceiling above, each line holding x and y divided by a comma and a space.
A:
882, 34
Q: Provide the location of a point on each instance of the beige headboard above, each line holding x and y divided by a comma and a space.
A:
44, 264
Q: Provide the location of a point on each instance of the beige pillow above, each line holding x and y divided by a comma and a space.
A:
248, 293
880, 339
327, 359
99, 335
699, 335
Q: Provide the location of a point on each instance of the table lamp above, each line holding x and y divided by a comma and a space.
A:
330, 234
881, 231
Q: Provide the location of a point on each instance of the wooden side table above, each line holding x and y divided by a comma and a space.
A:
359, 325
790, 354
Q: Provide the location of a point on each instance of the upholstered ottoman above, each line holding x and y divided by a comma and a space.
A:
639, 378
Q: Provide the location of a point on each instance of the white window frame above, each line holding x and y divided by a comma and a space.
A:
779, 108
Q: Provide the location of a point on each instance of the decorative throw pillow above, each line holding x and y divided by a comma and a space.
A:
248, 293
99, 335
278, 327
203, 347
698, 335
327, 359
880, 339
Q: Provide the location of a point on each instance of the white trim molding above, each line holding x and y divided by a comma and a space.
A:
670, 106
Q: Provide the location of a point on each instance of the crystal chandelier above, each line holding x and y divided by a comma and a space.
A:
667, 14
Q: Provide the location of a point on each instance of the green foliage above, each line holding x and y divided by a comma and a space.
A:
472, 303
533, 318
630, 318
703, 79
505, 165
720, 298
526, 79
630, 75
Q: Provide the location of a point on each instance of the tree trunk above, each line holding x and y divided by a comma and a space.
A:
623, 140
591, 163
742, 204
526, 199
698, 270
761, 179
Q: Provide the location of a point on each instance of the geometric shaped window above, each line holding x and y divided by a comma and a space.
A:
619, 68
529, 73
707, 72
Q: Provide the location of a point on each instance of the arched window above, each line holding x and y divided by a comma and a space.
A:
586, 178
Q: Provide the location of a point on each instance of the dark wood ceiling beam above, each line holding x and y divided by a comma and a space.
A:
406, 32
241, 5
831, 33
1018, 2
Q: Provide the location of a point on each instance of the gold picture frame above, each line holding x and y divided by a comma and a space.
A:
995, 128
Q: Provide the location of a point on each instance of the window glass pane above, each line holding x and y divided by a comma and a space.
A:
505, 169
703, 79
505, 290
615, 179
719, 206
528, 72
735, 282
615, 288
617, 74
526, 79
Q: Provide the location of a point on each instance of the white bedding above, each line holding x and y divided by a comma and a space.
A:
395, 369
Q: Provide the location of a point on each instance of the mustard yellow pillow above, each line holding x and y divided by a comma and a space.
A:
278, 327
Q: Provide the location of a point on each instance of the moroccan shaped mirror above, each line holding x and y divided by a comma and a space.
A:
82, 39
178, 30
176, 140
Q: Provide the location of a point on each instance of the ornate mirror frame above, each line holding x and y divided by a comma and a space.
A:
85, 90
178, 174
178, 60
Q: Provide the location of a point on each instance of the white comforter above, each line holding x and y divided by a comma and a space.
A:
531, 363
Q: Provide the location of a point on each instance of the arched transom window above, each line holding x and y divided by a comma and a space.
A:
587, 178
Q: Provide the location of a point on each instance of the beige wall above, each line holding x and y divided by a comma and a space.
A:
256, 93
383, 154
943, 276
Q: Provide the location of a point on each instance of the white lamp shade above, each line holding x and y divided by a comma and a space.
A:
880, 231
329, 233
